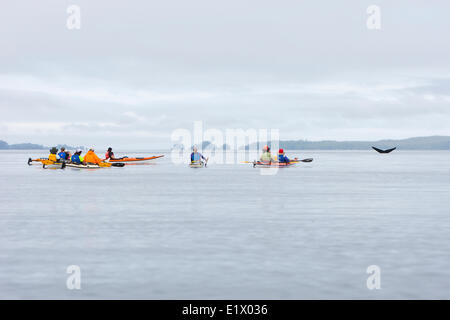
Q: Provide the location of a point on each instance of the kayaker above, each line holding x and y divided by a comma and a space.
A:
53, 156
63, 155
282, 157
91, 157
76, 158
197, 156
266, 155
109, 154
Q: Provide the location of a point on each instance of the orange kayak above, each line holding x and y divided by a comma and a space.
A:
135, 159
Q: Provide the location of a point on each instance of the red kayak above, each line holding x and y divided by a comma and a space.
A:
135, 159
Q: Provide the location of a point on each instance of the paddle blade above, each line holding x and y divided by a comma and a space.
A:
120, 165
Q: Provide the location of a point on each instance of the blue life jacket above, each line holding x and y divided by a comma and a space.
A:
283, 158
75, 159
62, 155
196, 156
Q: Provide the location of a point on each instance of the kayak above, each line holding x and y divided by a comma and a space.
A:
94, 166
260, 164
84, 166
276, 164
53, 165
135, 159
197, 164
47, 164
36, 161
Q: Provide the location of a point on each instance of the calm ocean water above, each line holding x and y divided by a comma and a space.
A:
164, 231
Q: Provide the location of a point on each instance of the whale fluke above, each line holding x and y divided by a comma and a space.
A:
384, 151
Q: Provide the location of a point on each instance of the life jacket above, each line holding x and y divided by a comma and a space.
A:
109, 155
62, 155
195, 156
52, 157
283, 158
266, 156
75, 159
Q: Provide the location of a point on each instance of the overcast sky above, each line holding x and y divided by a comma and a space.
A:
137, 70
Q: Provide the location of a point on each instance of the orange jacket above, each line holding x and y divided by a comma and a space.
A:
91, 157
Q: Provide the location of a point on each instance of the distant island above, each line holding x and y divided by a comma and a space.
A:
31, 146
418, 143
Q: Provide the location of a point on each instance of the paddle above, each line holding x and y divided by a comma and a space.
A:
111, 164
104, 164
120, 165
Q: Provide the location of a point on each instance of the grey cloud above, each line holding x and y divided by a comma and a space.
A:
139, 69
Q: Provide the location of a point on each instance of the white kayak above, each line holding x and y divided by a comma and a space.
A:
83, 166
197, 164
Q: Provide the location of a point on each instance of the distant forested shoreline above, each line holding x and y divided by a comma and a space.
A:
417, 143
31, 146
